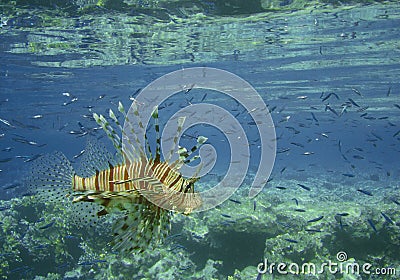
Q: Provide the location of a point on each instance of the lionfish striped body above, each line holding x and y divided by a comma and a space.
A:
116, 178
144, 187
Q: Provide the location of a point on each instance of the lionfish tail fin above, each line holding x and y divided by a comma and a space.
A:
51, 177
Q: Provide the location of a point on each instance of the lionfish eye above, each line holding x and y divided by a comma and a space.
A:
189, 187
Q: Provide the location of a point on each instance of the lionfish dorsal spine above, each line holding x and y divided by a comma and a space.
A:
154, 115
135, 151
115, 119
135, 146
111, 134
184, 154
141, 126
181, 121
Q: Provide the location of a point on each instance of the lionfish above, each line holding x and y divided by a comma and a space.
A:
144, 188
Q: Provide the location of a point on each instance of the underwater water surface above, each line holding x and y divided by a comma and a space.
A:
328, 73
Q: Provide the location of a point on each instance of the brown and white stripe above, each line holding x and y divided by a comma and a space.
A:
122, 178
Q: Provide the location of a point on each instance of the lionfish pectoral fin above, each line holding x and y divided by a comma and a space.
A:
139, 228
101, 204
173, 200
102, 212
86, 214
88, 196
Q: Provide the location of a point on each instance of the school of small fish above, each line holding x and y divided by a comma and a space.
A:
290, 141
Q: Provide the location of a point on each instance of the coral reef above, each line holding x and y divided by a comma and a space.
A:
43, 239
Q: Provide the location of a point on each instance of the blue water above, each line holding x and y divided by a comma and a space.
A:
30, 91
353, 54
